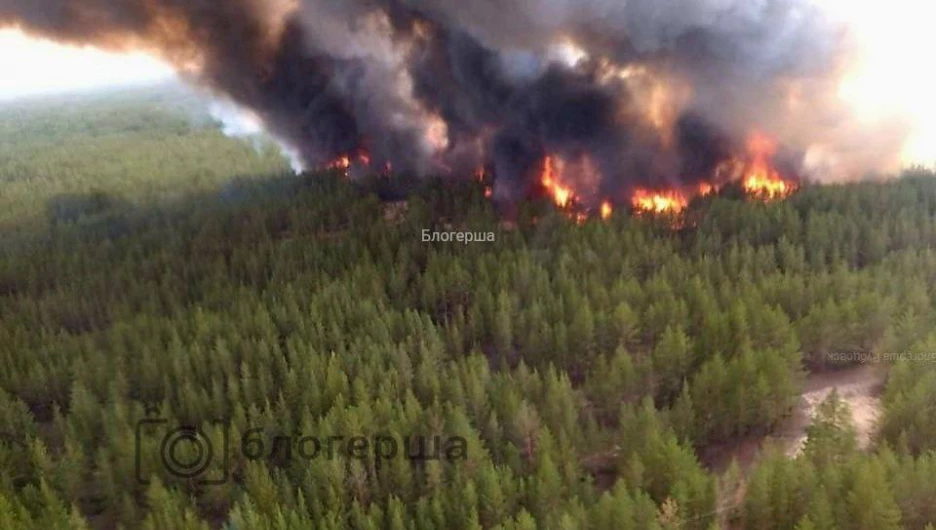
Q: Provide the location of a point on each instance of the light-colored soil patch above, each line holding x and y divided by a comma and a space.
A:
394, 212
859, 387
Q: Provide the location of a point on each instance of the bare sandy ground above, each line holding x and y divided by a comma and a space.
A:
859, 387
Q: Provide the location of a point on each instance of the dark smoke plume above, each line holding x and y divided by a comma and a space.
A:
629, 94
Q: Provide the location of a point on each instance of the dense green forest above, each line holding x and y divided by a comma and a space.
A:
151, 266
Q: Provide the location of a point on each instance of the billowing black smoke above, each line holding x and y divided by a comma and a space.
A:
639, 93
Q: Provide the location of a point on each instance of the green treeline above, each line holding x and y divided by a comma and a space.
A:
587, 366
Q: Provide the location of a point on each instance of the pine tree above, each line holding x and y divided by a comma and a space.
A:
870, 502
831, 437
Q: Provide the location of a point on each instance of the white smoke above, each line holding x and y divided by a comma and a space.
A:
235, 121
238, 122
890, 77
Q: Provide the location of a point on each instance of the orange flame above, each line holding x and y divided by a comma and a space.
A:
342, 162
560, 194
706, 189
761, 179
606, 210
669, 201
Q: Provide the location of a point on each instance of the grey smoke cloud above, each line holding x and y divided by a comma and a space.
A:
664, 90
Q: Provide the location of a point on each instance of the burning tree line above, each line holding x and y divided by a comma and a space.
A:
598, 103
756, 174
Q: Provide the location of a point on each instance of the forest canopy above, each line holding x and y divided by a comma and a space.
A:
151, 265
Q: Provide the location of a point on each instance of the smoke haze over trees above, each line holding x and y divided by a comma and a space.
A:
631, 94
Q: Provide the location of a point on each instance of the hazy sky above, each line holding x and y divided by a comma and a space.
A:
32, 67
895, 73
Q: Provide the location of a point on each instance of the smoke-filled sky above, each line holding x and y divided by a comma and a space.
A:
667, 90
895, 73
36, 67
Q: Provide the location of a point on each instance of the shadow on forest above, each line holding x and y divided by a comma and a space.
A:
98, 215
